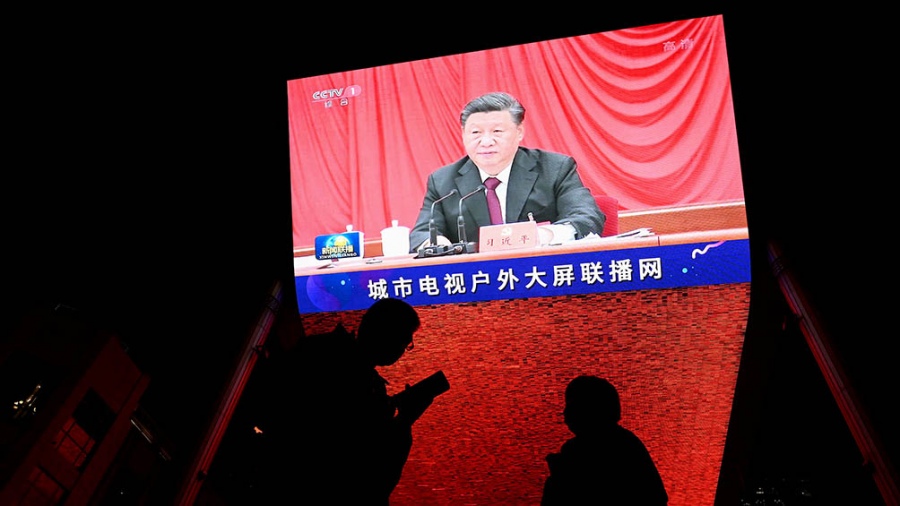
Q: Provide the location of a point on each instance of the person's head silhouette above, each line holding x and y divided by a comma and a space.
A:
386, 330
604, 463
592, 403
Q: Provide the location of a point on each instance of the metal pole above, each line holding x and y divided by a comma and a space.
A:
227, 404
850, 407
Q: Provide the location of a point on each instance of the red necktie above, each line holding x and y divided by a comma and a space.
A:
492, 201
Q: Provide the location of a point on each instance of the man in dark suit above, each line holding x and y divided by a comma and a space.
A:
534, 183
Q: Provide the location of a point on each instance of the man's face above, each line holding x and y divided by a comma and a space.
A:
491, 140
389, 354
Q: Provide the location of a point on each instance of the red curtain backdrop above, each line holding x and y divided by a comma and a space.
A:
647, 113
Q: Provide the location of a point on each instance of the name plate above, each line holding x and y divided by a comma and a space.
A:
336, 246
508, 236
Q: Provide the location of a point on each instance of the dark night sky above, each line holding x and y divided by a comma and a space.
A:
147, 170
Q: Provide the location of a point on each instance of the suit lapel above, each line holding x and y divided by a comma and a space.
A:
475, 207
521, 181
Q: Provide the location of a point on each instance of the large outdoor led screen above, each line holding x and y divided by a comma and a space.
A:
657, 303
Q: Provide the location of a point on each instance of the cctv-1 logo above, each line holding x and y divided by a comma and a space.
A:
346, 92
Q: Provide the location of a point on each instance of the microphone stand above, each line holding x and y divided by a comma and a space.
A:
434, 249
464, 246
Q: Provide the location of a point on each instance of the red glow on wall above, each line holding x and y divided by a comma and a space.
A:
673, 355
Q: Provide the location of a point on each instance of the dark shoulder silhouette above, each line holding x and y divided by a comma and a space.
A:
604, 463
340, 435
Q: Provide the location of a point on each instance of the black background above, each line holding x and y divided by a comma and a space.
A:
147, 176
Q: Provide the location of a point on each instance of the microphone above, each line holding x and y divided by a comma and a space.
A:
435, 250
465, 245
432, 230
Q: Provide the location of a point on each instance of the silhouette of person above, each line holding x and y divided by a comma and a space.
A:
604, 463
341, 438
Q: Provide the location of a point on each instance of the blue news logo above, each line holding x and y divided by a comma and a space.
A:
336, 246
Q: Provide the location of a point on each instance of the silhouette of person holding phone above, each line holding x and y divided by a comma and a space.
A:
349, 440
604, 463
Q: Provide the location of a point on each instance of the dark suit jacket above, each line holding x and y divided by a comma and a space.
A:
543, 183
